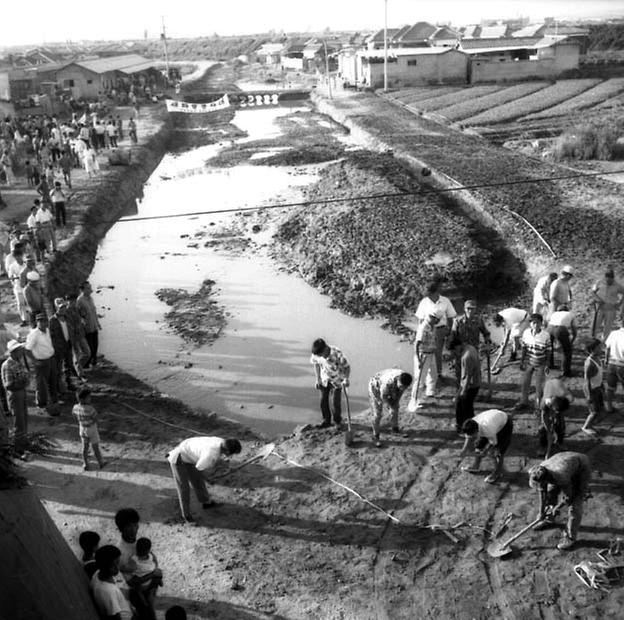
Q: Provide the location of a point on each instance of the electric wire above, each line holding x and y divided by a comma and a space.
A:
328, 201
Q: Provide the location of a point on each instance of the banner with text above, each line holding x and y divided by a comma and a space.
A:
193, 108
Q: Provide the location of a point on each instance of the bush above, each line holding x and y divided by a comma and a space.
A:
598, 140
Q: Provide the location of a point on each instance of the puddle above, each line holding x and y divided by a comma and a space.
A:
258, 371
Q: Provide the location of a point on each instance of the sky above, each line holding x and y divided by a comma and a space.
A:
122, 19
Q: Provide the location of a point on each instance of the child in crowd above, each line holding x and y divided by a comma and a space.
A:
175, 613
86, 415
146, 576
592, 384
89, 543
30, 173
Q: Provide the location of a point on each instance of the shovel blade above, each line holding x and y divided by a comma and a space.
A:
348, 438
499, 550
265, 451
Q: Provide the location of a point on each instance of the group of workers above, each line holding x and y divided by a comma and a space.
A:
533, 335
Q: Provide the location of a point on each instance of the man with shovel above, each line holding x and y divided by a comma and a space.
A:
192, 463
425, 368
386, 388
567, 472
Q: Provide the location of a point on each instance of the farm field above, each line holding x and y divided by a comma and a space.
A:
526, 110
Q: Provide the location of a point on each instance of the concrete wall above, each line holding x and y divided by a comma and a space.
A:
294, 64
81, 77
449, 67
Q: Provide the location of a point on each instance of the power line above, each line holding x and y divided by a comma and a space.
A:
326, 201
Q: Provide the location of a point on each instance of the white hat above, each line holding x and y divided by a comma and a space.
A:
568, 269
14, 344
33, 276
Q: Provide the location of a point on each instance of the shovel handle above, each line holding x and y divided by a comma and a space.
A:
346, 393
522, 531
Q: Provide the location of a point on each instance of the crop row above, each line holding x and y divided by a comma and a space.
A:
540, 100
426, 92
465, 109
596, 95
436, 102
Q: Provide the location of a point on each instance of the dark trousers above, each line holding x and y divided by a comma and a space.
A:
464, 408
335, 394
60, 213
65, 365
561, 334
92, 341
17, 407
46, 390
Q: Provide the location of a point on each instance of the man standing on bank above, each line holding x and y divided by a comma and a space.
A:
39, 347
192, 461
86, 308
608, 295
567, 472
331, 371
469, 379
560, 291
535, 343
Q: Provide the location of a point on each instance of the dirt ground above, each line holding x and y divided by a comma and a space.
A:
284, 542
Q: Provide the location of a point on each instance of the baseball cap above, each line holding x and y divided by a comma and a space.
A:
568, 269
33, 276
470, 303
14, 344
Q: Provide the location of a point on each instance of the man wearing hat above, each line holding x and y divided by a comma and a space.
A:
469, 325
33, 297
39, 347
58, 202
535, 344
30, 265
14, 271
560, 291
567, 472
425, 367
608, 295
15, 379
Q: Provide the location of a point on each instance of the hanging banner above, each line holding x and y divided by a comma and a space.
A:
194, 108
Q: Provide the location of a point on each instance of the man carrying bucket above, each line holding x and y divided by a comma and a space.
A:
332, 371
567, 472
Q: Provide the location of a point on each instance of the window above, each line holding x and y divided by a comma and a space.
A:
89, 81
412, 63
68, 83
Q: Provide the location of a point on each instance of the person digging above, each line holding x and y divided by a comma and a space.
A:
491, 432
386, 388
568, 473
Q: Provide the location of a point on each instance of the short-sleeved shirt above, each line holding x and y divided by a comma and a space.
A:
513, 316
609, 293
470, 369
490, 423
443, 306
560, 292
203, 452
44, 217
384, 385
334, 368
426, 336
571, 472
561, 318
536, 346
469, 328
109, 598
85, 414
615, 344
40, 344
541, 292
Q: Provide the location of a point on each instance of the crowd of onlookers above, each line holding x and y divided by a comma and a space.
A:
124, 577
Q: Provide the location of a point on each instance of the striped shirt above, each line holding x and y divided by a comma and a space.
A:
85, 414
536, 346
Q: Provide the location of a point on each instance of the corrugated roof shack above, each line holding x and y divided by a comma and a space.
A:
513, 59
412, 67
89, 78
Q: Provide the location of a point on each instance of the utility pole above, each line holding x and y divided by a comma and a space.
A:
385, 46
329, 90
163, 36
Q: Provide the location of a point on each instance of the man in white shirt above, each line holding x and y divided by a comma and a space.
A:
614, 357
39, 348
491, 431
105, 585
562, 327
13, 272
45, 227
541, 295
436, 303
514, 321
192, 461
560, 291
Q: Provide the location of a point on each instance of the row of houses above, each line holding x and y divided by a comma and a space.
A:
426, 54
85, 79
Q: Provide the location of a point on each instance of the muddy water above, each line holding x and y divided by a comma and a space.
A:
258, 371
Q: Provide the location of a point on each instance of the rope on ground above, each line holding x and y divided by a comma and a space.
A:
153, 417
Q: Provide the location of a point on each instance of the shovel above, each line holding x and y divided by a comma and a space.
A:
348, 438
265, 451
501, 549
488, 394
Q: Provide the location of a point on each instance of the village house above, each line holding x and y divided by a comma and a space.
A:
292, 55
89, 78
269, 54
